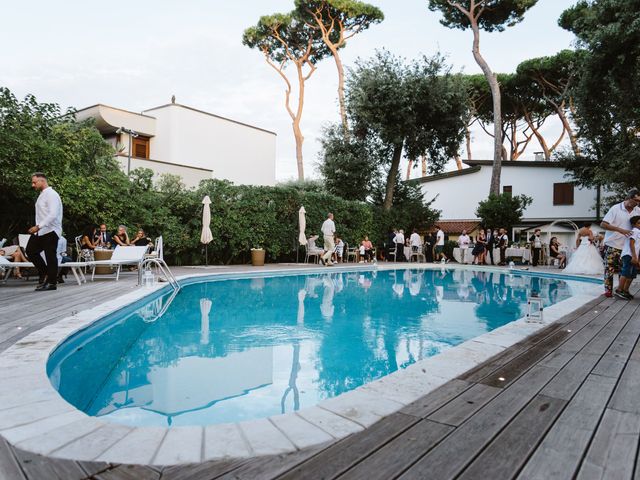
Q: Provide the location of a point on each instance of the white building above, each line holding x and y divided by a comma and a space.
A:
193, 144
555, 197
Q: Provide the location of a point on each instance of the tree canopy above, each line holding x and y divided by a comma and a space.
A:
492, 15
416, 109
338, 21
606, 99
488, 15
286, 39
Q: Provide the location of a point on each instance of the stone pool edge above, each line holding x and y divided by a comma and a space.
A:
34, 417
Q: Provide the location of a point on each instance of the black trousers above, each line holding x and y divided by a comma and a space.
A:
490, 252
48, 244
536, 256
400, 252
503, 250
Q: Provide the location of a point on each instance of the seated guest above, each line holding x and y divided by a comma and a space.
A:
63, 257
87, 245
13, 254
141, 239
311, 245
554, 251
103, 238
368, 249
121, 238
339, 249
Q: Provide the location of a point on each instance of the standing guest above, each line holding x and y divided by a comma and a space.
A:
45, 233
339, 252
121, 238
629, 257
328, 232
617, 223
440, 246
463, 244
86, 242
141, 239
536, 246
479, 250
367, 248
429, 241
503, 244
103, 239
415, 241
490, 240
399, 241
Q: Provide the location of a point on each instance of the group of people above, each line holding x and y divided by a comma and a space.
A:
94, 237
47, 247
485, 243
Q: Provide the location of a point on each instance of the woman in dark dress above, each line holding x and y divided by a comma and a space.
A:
429, 241
479, 249
87, 245
141, 239
554, 251
121, 238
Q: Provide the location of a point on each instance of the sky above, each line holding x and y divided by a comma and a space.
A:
137, 54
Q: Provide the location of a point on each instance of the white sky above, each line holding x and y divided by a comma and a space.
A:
135, 55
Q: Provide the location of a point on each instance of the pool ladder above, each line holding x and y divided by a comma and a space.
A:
163, 267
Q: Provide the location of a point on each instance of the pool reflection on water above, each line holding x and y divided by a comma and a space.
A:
233, 350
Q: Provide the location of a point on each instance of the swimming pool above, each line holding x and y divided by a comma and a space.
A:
239, 349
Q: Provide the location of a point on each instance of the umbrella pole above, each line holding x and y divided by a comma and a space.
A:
297, 250
206, 255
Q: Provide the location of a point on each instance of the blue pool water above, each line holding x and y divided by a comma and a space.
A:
233, 350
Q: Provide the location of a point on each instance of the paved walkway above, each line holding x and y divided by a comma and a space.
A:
561, 404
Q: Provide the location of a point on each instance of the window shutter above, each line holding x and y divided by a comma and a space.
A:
563, 193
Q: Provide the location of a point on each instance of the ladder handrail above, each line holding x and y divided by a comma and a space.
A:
161, 264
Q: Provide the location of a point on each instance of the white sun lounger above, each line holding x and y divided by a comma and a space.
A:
121, 256
76, 268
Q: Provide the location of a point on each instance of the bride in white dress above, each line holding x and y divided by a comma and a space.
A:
586, 260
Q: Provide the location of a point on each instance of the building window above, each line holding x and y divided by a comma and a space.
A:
563, 193
140, 146
507, 189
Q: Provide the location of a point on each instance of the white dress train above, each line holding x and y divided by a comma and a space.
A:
585, 260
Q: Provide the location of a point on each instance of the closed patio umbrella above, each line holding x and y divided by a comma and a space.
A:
206, 236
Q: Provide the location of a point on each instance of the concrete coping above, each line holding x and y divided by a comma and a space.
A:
34, 417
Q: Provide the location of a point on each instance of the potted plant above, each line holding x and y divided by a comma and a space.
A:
257, 257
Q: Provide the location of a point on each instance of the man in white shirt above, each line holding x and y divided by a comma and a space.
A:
416, 243
503, 244
440, 245
399, 241
328, 232
617, 223
45, 233
463, 243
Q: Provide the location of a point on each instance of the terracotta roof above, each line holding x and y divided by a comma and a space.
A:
456, 226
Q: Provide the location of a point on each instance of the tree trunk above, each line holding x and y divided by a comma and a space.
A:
424, 166
409, 170
467, 135
297, 131
391, 177
567, 127
497, 110
341, 100
458, 162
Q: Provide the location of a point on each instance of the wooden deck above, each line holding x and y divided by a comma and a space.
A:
564, 403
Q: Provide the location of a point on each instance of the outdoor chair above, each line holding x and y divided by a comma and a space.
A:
75, 267
157, 252
312, 253
418, 254
133, 256
352, 252
393, 253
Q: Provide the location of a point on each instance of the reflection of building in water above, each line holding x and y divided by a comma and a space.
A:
194, 383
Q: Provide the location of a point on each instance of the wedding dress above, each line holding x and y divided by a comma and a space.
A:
585, 260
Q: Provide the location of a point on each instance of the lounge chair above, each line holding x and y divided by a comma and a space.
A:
133, 256
76, 269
